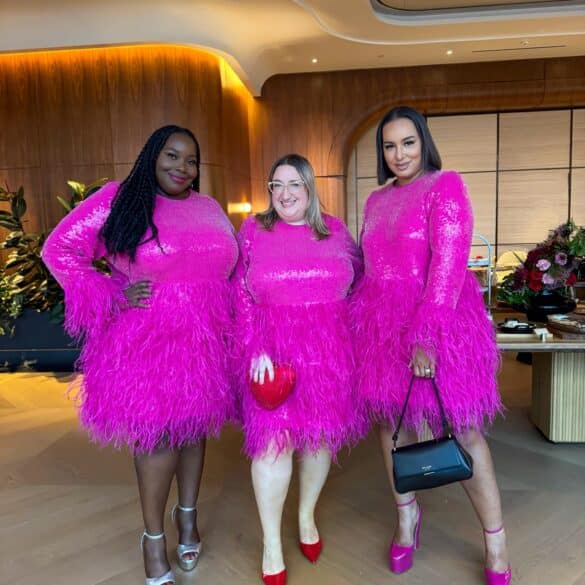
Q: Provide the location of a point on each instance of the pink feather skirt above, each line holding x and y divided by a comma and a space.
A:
160, 374
463, 341
323, 409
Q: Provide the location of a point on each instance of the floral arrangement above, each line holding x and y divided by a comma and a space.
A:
551, 266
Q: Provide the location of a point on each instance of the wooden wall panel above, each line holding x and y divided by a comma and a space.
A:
85, 114
260, 197
534, 140
136, 85
364, 189
235, 136
466, 143
353, 213
212, 180
531, 203
367, 165
578, 196
235, 140
20, 143
74, 109
257, 128
482, 192
332, 194
578, 138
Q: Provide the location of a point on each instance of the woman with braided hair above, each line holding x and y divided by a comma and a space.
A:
154, 358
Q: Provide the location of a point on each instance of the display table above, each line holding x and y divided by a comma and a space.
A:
558, 385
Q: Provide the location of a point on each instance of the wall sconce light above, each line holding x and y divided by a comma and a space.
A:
239, 207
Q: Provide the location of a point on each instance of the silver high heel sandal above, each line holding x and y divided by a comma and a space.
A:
168, 577
185, 549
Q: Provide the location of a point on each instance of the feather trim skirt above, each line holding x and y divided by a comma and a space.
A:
387, 327
159, 374
322, 410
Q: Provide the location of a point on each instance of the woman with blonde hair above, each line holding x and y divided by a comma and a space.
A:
296, 270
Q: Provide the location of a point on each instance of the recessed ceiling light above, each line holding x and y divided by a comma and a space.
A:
314, 60
449, 51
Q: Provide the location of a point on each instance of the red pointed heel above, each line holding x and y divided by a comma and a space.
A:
275, 579
401, 557
311, 551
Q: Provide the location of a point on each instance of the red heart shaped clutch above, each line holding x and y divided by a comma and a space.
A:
272, 394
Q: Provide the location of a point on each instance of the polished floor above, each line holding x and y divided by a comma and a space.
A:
69, 512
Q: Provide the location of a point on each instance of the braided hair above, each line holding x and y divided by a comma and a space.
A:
132, 210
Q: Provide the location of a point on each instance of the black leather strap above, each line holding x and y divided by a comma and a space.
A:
444, 422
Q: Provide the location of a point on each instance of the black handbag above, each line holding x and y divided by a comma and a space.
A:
431, 463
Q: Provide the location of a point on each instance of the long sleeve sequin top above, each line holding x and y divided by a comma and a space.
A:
288, 265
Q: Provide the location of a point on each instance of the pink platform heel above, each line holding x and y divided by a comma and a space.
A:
493, 577
401, 556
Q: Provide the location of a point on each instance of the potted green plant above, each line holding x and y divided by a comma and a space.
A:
31, 300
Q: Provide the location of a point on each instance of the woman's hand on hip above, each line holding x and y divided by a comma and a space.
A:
139, 293
422, 364
259, 366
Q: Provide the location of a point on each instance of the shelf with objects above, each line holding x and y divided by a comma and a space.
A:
483, 267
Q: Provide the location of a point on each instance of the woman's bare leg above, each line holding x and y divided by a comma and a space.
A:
407, 515
484, 494
313, 472
271, 475
155, 472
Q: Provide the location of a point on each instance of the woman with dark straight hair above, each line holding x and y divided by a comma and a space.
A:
419, 312
154, 359
430, 159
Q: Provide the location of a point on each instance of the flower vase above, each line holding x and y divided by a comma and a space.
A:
548, 302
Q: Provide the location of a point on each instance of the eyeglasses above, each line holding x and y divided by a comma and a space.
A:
293, 187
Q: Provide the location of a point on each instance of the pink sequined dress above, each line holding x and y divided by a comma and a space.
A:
292, 303
417, 291
159, 372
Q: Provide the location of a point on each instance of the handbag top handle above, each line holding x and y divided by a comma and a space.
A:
444, 422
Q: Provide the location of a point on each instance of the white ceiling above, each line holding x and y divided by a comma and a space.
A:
261, 38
